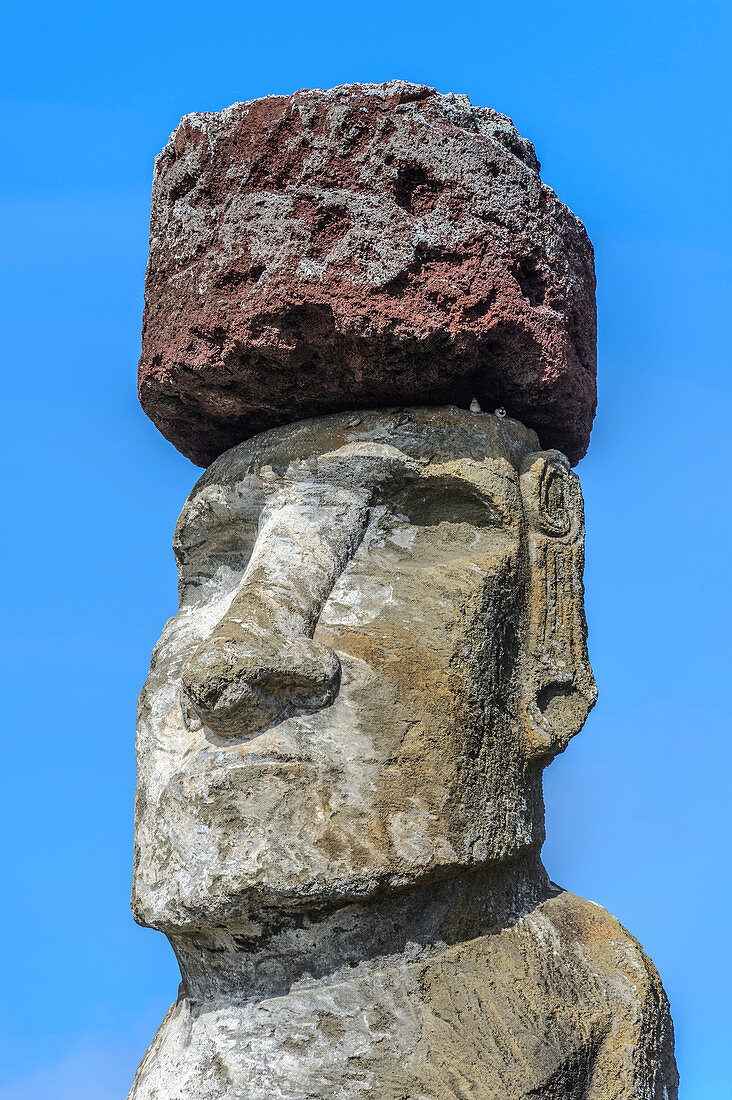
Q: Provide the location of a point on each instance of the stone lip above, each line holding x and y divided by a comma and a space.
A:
375, 244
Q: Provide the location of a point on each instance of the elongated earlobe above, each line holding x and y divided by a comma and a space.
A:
558, 688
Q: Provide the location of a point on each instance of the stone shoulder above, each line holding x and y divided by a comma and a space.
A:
641, 1032
607, 946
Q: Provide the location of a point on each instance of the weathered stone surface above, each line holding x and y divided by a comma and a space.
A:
558, 1002
367, 246
380, 645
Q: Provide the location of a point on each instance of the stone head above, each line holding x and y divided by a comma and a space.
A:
380, 644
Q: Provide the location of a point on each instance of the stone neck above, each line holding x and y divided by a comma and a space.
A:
330, 946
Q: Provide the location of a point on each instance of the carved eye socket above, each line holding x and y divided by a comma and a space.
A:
214, 566
434, 501
191, 720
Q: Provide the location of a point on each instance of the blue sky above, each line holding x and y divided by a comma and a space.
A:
628, 105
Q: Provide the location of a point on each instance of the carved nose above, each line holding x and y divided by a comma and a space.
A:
261, 663
239, 685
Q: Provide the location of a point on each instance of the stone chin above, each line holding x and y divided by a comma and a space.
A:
380, 645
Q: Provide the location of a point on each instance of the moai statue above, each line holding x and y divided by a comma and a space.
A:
381, 639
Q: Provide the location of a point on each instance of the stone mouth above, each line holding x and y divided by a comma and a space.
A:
249, 762
254, 763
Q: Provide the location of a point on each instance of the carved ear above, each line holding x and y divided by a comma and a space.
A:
558, 688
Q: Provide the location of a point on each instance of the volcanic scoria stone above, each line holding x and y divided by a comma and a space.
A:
371, 245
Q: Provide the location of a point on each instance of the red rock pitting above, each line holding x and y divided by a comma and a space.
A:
372, 245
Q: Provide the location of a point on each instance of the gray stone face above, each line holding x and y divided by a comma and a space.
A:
380, 645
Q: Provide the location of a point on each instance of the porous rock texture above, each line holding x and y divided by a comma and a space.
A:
371, 245
556, 1001
380, 645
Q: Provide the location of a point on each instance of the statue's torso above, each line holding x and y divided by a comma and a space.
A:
562, 1003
